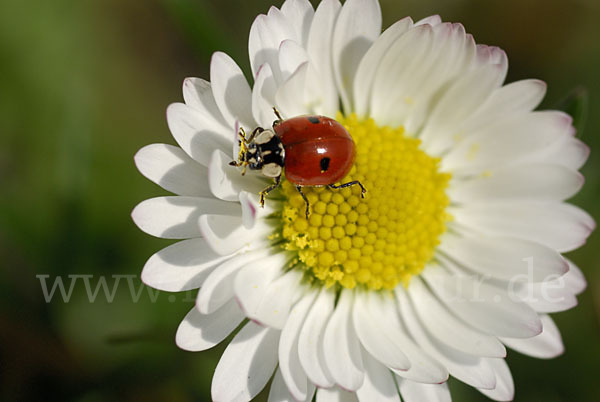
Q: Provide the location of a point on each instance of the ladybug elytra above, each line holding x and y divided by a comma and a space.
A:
313, 150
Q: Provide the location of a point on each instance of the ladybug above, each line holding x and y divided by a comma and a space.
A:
315, 151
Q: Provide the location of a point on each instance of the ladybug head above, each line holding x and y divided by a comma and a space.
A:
262, 151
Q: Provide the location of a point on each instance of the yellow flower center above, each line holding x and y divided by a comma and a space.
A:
383, 239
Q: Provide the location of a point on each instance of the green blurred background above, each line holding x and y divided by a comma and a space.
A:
85, 83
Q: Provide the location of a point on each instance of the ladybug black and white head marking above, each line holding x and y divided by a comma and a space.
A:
269, 153
262, 151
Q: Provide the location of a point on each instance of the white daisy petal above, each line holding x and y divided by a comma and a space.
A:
178, 217
450, 330
357, 27
416, 392
335, 395
342, 349
231, 90
490, 55
263, 96
280, 393
291, 56
546, 345
432, 20
199, 332
389, 101
366, 72
505, 387
567, 151
226, 234
508, 141
560, 226
468, 369
246, 365
484, 55
266, 34
554, 295
472, 89
504, 258
424, 368
514, 98
226, 182
277, 300
235, 138
320, 91
549, 297
195, 133
379, 383
172, 169
454, 53
197, 93
287, 97
181, 266
253, 281
218, 288
310, 341
523, 182
375, 341
299, 13
574, 279
250, 209
289, 360
416, 71
482, 305
496, 57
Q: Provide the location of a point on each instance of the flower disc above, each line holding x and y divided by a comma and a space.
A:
386, 237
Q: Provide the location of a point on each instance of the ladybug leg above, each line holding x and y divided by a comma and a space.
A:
299, 188
267, 190
243, 141
349, 184
242, 135
279, 118
243, 164
242, 152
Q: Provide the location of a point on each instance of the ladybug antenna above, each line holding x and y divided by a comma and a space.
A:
279, 118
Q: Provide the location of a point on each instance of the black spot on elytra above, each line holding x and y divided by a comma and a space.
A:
324, 164
313, 119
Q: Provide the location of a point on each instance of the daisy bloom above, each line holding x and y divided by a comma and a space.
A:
453, 255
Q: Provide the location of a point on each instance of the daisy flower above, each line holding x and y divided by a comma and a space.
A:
453, 255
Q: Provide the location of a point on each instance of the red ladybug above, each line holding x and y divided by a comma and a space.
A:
314, 150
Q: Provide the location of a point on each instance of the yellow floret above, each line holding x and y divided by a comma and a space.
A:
379, 241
